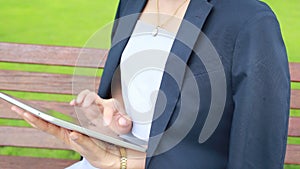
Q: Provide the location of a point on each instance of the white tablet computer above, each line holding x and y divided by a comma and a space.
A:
83, 126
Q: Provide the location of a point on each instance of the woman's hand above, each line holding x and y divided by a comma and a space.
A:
112, 110
98, 153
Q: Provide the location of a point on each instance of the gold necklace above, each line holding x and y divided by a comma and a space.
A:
155, 31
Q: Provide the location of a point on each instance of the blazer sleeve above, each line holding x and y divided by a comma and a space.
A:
261, 94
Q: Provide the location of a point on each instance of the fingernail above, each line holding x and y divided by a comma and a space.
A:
72, 102
15, 110
84, 104
77, 101
28, 117
122, 121
105, 123
73, 137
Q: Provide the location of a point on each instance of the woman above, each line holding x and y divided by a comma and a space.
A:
251, 130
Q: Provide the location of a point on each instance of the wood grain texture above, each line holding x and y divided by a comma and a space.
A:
292, 155
295, 71
293, 151
13, 162
46, 82
63, 84
52, 55
28, 137
6, 112
294, 127
295, 99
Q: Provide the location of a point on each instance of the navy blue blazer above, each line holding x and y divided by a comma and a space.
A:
251, 130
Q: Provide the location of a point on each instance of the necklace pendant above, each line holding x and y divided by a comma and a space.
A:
155, 32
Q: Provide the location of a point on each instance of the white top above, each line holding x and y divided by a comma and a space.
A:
142, 66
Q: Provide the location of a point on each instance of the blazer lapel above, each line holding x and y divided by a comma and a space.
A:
124, 28
196, 14
186, 37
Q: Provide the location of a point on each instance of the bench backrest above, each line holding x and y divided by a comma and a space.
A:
293, 150
43, 83
60, 83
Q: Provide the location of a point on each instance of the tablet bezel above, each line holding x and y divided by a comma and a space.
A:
71, 126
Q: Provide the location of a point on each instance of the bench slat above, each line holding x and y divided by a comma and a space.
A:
6, 112
51, 55
292, 155
45, 82
62, 84
294, 127
294, 71
295, 99
28, 137
13, 162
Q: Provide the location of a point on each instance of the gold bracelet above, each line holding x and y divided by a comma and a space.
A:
123, 160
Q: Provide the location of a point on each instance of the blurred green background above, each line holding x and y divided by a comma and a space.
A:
72, 22
53, 22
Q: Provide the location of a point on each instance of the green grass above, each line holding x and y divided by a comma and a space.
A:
291, 166
40, 96
36, 152
14, 122
54, 22
51, 69
288, 14
293, 140
295, 85
295, 113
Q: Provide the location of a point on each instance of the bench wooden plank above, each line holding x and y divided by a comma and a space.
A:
295, 72
13, 162
292, 155
295, 99
28, 137
62, 84
6, 112
294, 127
52, 55
46, 82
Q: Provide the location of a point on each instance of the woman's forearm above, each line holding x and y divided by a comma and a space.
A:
135, 160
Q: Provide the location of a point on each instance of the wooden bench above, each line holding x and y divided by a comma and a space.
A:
293, 151
40, 82
60, 83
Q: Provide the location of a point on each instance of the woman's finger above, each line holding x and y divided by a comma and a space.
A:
121, 124
42, 125
98, 153
39, 123
99, 101
58, 132
89, 99
81, 96
124, 120
86, 146
73, 102
21, 113
108, 113
114, 117
18, 110
82, 140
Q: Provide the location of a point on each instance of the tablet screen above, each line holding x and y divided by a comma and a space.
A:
84, 120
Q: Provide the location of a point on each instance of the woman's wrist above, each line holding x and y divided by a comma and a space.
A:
135, 159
